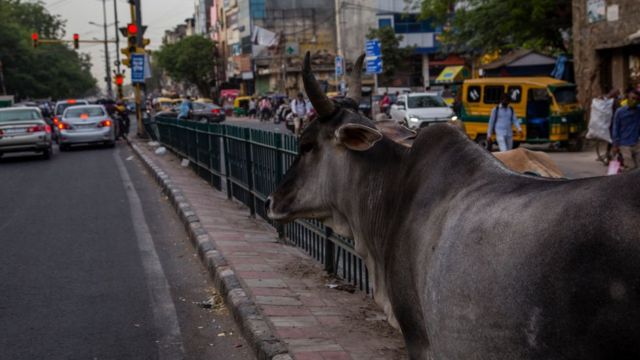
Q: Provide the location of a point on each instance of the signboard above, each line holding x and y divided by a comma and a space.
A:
137, 68
596, 10
373, 61
292, 49
339, 66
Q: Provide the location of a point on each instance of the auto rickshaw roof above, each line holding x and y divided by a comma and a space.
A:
536, 81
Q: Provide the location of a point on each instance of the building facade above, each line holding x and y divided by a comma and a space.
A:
606, 46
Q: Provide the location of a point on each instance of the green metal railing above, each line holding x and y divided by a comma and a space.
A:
248, 164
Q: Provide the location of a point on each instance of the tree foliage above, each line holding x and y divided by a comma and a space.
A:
393, 56
480, 26
191, 61
51, 70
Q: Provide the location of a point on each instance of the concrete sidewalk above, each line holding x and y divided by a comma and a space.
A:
304, 318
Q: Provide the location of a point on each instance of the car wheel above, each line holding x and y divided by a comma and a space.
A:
110, 144
63, 147
1, 154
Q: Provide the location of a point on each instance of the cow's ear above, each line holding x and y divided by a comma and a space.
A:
357, 137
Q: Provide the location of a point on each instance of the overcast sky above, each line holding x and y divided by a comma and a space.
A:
158, 15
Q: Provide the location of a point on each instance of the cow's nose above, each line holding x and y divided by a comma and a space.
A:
267, 204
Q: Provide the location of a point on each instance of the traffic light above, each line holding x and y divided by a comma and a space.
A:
76, 41
34, 40
119, 79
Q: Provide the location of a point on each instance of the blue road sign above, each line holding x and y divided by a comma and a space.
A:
339, 66
374, 56
137, 68
372, 48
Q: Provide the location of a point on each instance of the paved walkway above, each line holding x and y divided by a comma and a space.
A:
289, 287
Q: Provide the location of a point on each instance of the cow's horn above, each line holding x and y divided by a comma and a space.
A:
321, 103
355, 80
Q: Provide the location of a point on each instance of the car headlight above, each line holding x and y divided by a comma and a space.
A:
454, 118
414, 119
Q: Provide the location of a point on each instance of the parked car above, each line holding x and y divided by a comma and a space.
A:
87, 124
205, 112
24, 129
417, 110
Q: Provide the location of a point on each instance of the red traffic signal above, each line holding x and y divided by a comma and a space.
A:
132, 29
76, 41
34, 40
119, 79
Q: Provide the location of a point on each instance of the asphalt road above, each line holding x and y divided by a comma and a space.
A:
94, 264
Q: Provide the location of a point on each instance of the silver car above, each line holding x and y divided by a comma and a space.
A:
24, 129
86, 124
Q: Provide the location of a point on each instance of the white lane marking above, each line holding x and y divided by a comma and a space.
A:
164, 310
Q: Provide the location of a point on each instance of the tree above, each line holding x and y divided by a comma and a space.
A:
51, 70
190, 60
480, 26
393, 56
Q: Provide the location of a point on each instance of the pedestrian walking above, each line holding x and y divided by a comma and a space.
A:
265, 109
252, 108
185, 108
385, 104
300, 108
500, 122
626, 130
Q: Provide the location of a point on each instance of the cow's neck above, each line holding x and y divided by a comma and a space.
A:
383, 182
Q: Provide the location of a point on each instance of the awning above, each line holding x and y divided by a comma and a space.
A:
452, 74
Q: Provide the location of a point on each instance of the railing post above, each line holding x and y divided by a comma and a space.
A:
249, 164
329, 251
279, 173
225, 148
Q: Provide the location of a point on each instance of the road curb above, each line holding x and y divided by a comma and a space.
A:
254, 327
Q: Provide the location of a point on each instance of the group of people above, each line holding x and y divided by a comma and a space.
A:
296, 111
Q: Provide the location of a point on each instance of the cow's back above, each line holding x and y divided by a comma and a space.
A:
534, 269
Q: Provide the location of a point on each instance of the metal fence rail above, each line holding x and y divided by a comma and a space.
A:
249, 164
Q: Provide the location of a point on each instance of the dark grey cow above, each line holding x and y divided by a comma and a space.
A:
475, 260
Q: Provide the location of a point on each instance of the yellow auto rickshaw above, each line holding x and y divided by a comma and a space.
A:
547, 109
162, 104
203, 101
241, 105
175, 103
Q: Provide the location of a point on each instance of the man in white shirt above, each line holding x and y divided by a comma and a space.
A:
501, 120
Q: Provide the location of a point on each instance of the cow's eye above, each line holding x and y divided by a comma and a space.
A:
305, 148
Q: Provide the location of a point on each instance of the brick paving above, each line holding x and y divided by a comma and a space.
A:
287, 285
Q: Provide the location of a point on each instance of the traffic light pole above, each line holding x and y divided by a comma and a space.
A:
118, 68
106, 51
136, 13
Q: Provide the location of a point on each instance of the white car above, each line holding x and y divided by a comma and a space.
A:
417, 110
88, 124
24, 129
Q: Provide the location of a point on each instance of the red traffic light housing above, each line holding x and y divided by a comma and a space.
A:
34, 40
132, 29
76, 41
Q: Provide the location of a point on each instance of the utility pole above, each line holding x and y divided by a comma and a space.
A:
118, 77
136, 13
115, 14
106, 50
338, 16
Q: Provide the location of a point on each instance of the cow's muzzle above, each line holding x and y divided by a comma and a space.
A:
271, 214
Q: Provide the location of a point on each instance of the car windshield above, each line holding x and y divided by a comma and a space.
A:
425, 101
63, 106
565, 94
81, 112
19, 115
